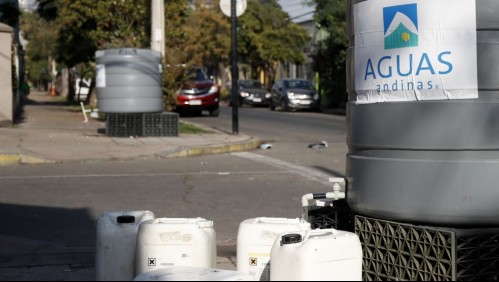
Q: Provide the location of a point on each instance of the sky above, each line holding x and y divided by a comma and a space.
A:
298, 11
27, 3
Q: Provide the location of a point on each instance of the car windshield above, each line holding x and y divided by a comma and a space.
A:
250, 84
299, 84
197, 74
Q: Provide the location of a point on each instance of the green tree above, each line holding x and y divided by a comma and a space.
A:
41, 36
85, 26
267, 37
209, 41
330, 54
176, 59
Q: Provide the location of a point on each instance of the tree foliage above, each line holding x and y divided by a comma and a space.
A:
176, 58
267, 36
42, 36
330, 54
85, 26
209, 41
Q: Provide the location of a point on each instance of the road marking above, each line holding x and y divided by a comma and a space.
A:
293, 168
31, 177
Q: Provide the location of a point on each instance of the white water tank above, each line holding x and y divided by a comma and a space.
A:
317, 255
168, 242
255, 239
116, 241
189, 273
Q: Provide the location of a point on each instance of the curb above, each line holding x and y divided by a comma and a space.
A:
251, 144
19, 159
9, 159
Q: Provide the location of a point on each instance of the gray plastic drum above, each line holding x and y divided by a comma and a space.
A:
129, 81
429, 162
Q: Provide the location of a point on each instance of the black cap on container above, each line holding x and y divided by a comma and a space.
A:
126, 219
291, 239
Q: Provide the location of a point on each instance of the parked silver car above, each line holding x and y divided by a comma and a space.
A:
294, 94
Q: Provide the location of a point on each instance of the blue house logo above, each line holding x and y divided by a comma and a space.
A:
401, 26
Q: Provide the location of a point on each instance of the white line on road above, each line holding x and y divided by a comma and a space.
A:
223, 173
296, 169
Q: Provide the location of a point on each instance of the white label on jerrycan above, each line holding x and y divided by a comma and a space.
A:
255, 239
171, 242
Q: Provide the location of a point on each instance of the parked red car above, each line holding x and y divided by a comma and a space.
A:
199, 93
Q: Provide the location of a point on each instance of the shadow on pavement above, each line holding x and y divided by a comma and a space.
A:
40, 236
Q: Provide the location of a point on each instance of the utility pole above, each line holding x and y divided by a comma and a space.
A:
235, 70
236, 9
158, 26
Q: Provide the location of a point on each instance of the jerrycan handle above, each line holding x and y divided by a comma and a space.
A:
318, 233
275, 220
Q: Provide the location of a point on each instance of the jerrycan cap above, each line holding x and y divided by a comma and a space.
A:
289, 239
125, 219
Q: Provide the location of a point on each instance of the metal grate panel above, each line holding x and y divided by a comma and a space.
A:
404, 252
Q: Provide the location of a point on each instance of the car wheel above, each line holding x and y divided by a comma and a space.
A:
271, 105
215, 112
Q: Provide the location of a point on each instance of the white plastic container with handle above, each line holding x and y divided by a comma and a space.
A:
255, 239
317, 255
116, 244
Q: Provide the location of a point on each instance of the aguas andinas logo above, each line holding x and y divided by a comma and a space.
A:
405, 65
401, 26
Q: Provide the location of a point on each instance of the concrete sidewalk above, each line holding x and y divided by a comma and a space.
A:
52, 132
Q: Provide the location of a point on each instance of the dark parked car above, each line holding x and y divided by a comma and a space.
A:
199, 93
295, 94
251, 92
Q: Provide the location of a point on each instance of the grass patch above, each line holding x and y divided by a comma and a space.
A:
187, 128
